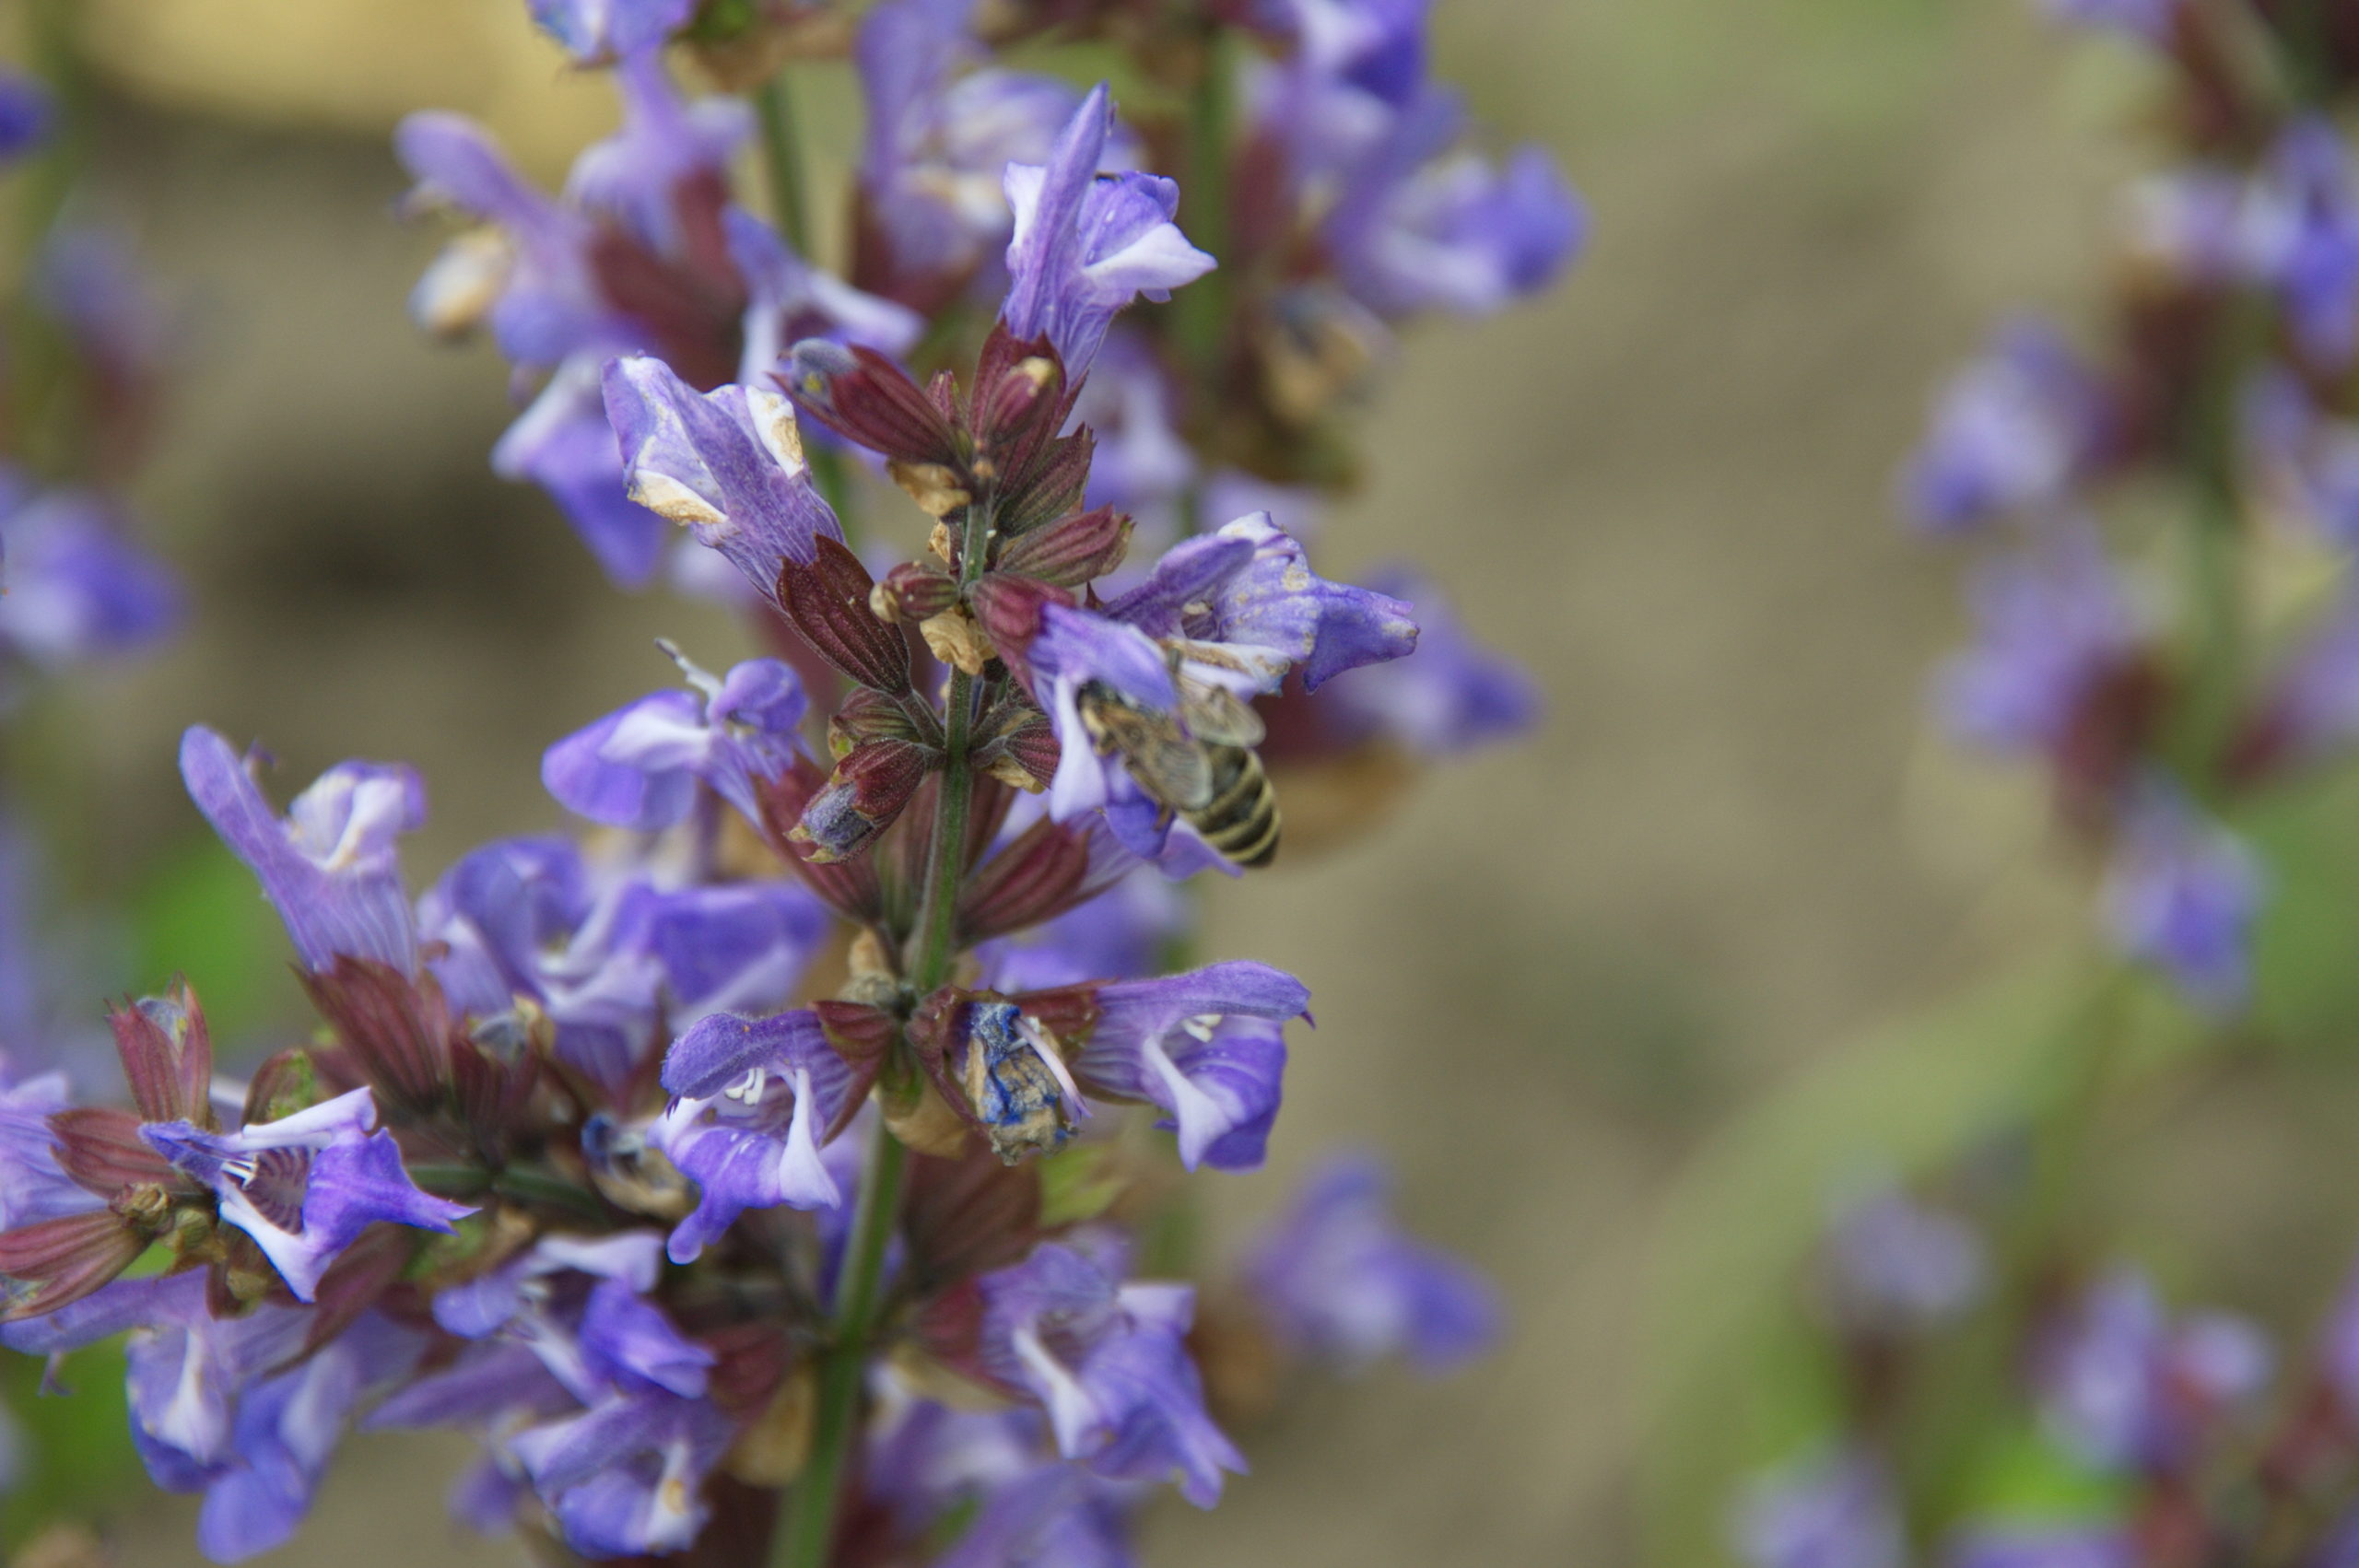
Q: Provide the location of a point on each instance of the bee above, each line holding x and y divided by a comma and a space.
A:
1206, 771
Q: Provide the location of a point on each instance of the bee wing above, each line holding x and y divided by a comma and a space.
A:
1217, 716
1168, 764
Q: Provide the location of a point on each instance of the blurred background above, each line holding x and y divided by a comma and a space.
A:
1622, 1001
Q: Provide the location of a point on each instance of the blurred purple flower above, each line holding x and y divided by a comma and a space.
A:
2128, 1389
594, 32
2182, 894
2011, 433
76, 588
1448, 696
1833, 1512
1896, 1266
1340, 1279
2053, 622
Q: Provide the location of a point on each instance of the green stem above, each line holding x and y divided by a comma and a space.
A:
811, 1521
517, 1183
783, 156
1200, 313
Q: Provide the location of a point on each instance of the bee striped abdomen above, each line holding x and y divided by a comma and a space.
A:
1241, 819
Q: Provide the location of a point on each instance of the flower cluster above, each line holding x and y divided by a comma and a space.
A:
770, 1163
2127, 1435
2163, 686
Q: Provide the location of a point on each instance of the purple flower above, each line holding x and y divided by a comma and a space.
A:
2128, 1389
1451, 695
607, 955
942, 133
2300, 234
1055, 1516
2147, 21
330, 866
1833, 1512
2312, 707
1108, 1362
26, 114
727, 465
639, 767
1085, 245
1896, 1266
1339, 1280
1141, 463
755, 1100
1226, 614
2182, 894
540, 272
793, 300
32, 1188
625, 1478
597, 30
579, 1304
229, 1407
306, 1186
1208, 1047
2011, 433
2042, 1544
76, 588
1421, 227
563, 443
2052, 624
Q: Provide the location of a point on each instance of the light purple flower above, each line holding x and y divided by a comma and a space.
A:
1108, 1362
793, 300
639, 767
2182, 894
1339, 1280
1085, 246
1896, 1266
608, 954
579, 1304
2128, 1390
534, 272
1055, 1516
2042, 1544
2051, 623
1141, 463
1236, 610
1836, 1511
626, 1476
598, 30
2011, 433
755, 1101
1421, 227
1208, 1047
2300, 237
77, 588
2147, 21
330, 866
32, 1188
943, 127
727, 465
215, 1405
1450, 696
306, 1186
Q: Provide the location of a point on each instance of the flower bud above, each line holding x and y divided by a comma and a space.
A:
861, 396
863, 797
1070, 551
912, 591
